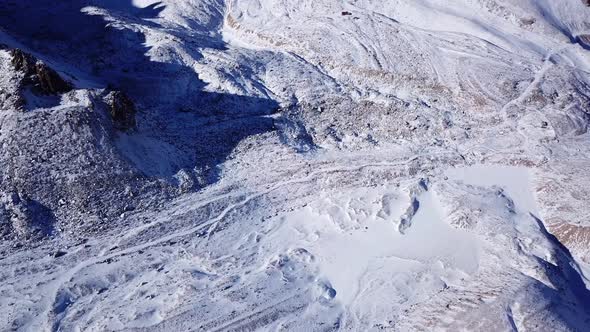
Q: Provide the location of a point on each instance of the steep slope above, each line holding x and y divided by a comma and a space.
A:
294, 165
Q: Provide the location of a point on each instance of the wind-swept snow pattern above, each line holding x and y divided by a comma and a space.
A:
294, 165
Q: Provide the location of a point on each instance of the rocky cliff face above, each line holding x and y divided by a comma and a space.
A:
36, 73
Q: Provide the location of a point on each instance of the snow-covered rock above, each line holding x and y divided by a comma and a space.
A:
401, 165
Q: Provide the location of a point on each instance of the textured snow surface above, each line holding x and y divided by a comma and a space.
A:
298, 165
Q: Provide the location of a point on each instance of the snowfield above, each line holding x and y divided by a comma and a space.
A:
294, 165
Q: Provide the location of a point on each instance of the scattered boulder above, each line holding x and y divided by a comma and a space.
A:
36, 72
11, 99
345, 13
122, 110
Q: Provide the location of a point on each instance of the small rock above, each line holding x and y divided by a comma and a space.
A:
59, 253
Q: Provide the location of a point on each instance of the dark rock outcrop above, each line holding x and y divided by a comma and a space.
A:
37, 73
5, 223
122, 110
23, 62
59, 253
49, 80
584, 41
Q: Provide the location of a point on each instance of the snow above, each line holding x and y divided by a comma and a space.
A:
144, 3
515, 181
416, 165
352, 242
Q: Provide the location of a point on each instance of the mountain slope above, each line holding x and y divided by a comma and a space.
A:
294, 165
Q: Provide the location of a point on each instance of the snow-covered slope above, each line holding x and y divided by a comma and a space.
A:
401, 165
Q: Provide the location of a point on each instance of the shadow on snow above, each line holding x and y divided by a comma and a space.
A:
180, 126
